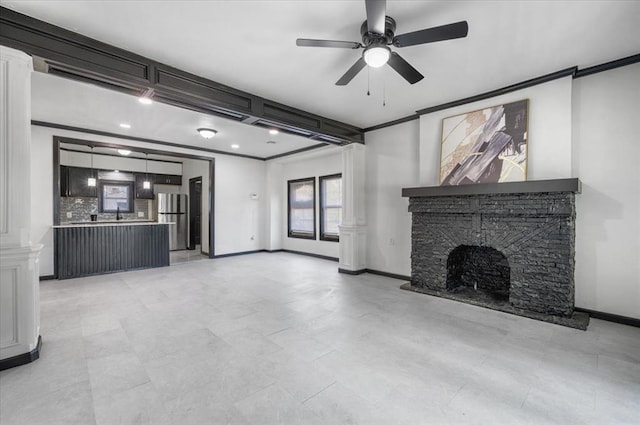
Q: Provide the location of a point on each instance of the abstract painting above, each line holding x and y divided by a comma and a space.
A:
485, 146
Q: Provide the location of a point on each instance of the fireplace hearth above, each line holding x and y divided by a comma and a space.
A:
505, 246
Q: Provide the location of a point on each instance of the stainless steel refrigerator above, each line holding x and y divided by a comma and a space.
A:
173, 208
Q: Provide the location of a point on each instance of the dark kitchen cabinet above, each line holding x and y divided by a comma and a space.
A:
74, 181
141, 192
168, 179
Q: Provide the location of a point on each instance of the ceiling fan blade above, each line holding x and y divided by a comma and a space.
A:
376, 12
307, 42
352, 72
429, 35
403, 68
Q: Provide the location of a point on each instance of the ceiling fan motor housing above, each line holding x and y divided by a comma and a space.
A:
370, 38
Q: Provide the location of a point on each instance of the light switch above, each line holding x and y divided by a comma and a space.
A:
69, 214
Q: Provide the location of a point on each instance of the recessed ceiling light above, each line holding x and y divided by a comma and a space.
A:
124, 152
234, 146
273, 132
145, 100
271, 142
207, 133
125, 125
116, 171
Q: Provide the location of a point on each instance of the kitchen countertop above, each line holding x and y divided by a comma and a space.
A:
110, 223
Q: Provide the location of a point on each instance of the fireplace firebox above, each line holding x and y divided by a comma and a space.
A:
505, 246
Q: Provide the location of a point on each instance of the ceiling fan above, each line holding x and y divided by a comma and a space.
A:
378, 33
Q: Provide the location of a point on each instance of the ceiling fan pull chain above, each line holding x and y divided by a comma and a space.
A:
384, 88
368, 80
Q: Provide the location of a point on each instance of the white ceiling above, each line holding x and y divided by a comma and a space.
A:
63, 101
250, 45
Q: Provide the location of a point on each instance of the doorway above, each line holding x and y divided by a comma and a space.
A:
195, 210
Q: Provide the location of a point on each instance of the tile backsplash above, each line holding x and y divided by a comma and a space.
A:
81, 209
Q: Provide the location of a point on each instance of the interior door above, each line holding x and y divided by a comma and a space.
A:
195, 206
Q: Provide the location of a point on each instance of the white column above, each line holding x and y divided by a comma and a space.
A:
19, 286
353, 230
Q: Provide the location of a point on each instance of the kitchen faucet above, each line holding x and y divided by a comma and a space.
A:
118, 216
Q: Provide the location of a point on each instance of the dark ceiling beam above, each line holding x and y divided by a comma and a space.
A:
75, 56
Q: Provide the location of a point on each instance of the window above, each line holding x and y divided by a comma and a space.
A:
330, 207
302, 208
116, 196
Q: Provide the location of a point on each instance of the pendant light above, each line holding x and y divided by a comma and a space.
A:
146, 184
91, 181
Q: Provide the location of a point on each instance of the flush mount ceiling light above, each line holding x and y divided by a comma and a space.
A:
124, 152
207, 133
125, 125
376, 55
273, 132
234, 146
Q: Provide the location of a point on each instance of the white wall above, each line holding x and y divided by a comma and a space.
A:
606, 109
391, 164
577, 128
235, 178
238, 218
42, 196
549, 131
315, 164
275, 206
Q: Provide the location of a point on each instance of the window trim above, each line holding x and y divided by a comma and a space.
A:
131, 196
297, 234
323, 236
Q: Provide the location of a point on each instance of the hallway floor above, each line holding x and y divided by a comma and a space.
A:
285, 339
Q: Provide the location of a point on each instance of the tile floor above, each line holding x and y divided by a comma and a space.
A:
186, 255
285, 339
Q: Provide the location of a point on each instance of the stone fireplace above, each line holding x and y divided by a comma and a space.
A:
505, 246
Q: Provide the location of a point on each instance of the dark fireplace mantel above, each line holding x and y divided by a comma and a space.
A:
505, 246
533, 186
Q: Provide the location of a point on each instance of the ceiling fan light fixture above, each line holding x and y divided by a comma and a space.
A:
207, 133
124, 152
376, 55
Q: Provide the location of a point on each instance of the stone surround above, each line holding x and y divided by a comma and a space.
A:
513, 251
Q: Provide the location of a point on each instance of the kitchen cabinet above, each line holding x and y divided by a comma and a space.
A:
168, 179
74, 182
141, 192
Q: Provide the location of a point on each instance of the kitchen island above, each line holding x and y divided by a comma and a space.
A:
91, 248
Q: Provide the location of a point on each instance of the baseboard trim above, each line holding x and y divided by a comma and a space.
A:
391, 275
352, 272
308, 254
624, 320
24, 358
48, 277
234, 254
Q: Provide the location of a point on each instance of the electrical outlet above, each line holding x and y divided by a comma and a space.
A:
140, 213
69, 214
392, 242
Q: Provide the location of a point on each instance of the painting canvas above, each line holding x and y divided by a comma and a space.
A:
485, 146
